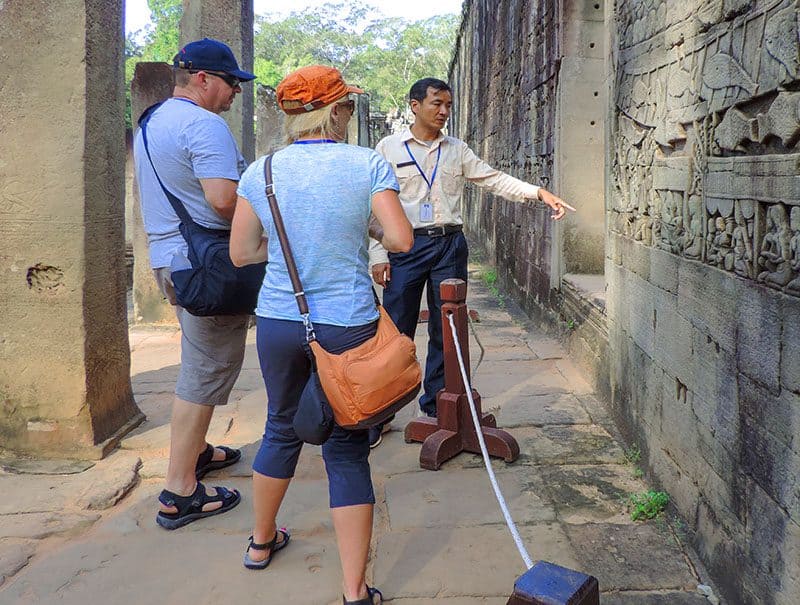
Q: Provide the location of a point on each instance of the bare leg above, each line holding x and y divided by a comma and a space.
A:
268, 494
188, 429
353, 525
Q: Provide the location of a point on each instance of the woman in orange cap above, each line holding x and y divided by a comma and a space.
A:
326, 193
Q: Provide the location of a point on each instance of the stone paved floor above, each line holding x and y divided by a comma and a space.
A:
90, 536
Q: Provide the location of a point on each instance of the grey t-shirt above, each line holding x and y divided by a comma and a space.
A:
187, 143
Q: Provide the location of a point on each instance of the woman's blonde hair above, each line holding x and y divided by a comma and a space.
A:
319, 121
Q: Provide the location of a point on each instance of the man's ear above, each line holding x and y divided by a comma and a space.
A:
414, 104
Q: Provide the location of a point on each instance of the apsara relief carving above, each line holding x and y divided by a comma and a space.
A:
706, 161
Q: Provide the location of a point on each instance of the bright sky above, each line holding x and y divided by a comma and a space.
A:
137, 15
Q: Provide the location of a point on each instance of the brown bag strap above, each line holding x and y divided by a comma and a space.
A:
291, 266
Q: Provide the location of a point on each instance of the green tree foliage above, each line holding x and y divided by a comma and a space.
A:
159, 42
382, 55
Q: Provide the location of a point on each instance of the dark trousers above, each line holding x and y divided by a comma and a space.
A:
428, 263
282, 353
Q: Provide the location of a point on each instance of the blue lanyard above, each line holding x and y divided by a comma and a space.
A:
435, 168
313, 141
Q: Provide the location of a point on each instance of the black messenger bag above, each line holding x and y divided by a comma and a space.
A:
212, 285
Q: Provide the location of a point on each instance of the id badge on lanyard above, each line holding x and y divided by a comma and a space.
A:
426, 206
426, 212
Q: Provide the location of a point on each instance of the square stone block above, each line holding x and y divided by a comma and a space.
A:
704, 298
539, 410
790, 342
475, 562
591, 493
189, 567
758, 334
464, 497
506, 380
631, 557
575, 444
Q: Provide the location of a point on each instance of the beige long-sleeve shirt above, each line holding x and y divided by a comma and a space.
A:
456, 163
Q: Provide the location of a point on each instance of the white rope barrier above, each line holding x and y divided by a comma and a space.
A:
486, 460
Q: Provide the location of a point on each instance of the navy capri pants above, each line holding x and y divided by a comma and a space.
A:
282, 353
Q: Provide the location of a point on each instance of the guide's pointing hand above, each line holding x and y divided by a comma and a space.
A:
558, 205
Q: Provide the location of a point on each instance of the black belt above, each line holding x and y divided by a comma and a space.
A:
438, 230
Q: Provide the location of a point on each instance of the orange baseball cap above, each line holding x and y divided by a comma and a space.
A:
312, 87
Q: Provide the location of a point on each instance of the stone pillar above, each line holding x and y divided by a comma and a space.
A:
579, 147
65, 387
358, 127
152, 82
269, 121
231, 22
362, 114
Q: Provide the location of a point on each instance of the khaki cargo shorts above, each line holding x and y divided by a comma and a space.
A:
212, 350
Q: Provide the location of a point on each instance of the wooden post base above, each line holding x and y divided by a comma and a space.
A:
453, 432
549, 584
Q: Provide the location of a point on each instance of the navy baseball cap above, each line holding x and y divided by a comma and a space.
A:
210, 55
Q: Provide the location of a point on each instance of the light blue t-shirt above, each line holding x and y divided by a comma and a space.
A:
187, 143
324, 193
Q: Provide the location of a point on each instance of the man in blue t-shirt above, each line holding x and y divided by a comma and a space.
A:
193, 152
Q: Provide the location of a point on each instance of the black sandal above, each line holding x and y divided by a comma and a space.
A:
369, 600
190, 508
272, 546
205, 464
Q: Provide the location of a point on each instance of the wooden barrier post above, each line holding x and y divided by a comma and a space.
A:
453, 430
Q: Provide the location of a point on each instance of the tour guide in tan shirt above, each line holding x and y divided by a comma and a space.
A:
431, 169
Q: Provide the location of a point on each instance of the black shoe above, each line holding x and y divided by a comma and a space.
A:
376, 434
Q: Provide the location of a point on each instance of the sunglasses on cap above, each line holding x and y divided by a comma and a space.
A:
230, 80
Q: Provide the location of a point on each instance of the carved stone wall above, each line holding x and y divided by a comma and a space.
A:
702, 243
703, 273
504, 75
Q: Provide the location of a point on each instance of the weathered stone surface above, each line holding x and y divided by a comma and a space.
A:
14, 555
790, 339
504, 380
459, 601
110, 483
654, 598
540, 410
65, 374
422, 563
152, 83
269, 121
465, 498
577, 444
596, 493
43, 525
758, 335
23, 466
630, 557
664, 270
87, 569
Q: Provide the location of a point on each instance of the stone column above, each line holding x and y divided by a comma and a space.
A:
231, 22
152, 82
358, 126
362, 115
65, 387
579, 147
269, 121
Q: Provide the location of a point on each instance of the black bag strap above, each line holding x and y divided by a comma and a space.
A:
177, 205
